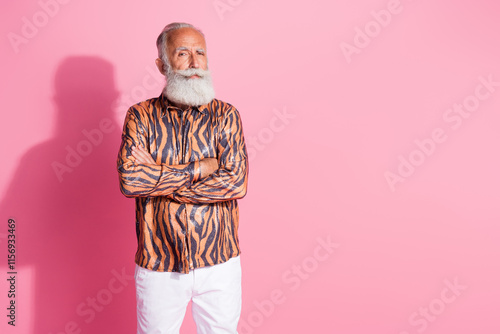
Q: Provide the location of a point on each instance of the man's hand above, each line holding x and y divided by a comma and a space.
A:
142, 156
208, 166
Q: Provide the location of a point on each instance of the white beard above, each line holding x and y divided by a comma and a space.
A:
185, 91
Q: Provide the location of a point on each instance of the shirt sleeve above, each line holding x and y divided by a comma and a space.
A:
147, 180
230, 180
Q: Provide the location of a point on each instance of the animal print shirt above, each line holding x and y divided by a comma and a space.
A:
184, 222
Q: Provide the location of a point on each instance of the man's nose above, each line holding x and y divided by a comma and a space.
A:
195, 63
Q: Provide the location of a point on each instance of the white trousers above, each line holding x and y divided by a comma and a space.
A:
215, 291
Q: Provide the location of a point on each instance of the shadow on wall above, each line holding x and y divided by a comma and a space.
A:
75, 230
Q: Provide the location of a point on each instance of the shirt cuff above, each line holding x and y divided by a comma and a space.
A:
196, 171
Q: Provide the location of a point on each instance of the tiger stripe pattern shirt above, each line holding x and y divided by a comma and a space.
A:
183, 221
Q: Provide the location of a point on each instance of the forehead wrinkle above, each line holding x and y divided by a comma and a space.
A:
184, 48
185, 39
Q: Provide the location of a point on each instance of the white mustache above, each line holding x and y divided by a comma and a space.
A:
192, 71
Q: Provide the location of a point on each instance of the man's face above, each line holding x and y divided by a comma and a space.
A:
186, 48
189, 82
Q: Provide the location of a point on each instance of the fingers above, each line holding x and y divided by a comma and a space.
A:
142, 156
214, 165
208, 166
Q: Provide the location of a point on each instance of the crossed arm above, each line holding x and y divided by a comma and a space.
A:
203, 181
141, 156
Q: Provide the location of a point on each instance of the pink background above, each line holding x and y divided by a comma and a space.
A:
324, 127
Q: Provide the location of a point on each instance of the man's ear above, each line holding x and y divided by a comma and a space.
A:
159, 65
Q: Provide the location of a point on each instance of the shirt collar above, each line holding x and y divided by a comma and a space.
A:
167, 105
